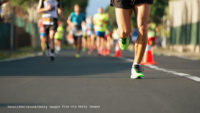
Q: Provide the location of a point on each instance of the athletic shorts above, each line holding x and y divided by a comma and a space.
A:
42, 35
100, 34
128, 4
51, 27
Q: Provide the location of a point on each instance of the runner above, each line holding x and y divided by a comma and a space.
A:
1, 3
152, 29
123, 9
58, 38
84, 36
90, 34
100, 22
42, 36
49, 10
75, 21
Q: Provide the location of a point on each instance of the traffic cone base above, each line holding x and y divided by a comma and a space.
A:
148, 57
117, 51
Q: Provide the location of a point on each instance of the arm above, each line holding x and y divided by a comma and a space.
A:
42, 10
69, 22
61, 14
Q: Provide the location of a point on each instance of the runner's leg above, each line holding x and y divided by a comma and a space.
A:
51, 36
79, 44
142, 15
123, 17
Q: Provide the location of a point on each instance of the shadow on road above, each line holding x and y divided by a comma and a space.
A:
64, 65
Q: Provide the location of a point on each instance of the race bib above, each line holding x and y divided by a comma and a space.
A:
47, 21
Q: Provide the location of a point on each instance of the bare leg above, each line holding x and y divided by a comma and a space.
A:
101, 44
142, 15
43, 43
79, 44
98, 44
51, 36
123, 17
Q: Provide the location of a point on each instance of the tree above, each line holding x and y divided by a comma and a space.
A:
158, 10
67, 5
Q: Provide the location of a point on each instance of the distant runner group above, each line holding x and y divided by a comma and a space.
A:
93, 33
83, 33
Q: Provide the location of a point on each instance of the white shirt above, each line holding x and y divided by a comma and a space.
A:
52, 13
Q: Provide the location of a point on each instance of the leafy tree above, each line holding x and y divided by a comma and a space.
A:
158, 10
67, 5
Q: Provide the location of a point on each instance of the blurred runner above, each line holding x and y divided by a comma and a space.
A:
58, 38
1, 3
108, 42
84, 36
108, 37
75, 21
134, 36
100, 22
90, 35
42, 36
50, 10
123, 9
152, 35
69, 36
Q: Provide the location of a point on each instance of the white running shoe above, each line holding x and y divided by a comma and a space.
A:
136, 72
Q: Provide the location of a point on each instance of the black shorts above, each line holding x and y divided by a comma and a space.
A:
128, 4
53, 27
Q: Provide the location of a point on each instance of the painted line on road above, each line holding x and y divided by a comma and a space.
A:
21, 58
191, 77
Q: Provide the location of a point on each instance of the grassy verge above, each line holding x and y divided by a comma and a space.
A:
25, 51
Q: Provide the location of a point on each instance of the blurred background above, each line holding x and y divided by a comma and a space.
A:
177, 25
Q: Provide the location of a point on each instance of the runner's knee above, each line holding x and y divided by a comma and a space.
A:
142, 30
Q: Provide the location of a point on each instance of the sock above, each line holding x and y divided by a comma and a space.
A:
135, 64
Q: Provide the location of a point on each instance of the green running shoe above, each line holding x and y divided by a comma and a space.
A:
136, 72
123, 43
77, 55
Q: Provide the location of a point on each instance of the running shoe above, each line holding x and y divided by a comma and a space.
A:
52, 56
136, 72
47, 52
77, 55
123, 43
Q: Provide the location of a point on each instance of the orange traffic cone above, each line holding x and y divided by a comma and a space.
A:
117, 51
148, 57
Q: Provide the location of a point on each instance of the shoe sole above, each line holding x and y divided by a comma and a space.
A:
137, 77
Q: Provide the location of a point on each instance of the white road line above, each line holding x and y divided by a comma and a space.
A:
21, 58
191, 77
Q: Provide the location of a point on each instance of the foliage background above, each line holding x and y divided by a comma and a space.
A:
67, 5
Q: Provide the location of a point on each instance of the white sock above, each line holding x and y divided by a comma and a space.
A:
135, 64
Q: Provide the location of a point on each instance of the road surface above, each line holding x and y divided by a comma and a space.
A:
95, 84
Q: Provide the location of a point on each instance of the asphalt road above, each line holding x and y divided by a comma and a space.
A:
95, 84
